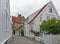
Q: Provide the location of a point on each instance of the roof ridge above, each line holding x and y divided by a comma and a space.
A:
38, 12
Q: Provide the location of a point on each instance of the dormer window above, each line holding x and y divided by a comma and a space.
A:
50, 10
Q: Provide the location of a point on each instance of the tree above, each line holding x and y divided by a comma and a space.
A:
51, 26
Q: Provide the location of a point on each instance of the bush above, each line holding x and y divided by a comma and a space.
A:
35, 32
22, 32
51, 26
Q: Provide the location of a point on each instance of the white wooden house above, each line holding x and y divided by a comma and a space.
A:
5, 24
34, 20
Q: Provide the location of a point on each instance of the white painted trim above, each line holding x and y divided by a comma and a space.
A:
6, 39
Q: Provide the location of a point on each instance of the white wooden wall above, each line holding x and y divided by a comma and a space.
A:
49, 39
5, 33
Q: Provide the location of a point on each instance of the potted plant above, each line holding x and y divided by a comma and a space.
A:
35, 32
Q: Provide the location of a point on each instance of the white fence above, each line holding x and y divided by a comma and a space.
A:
49, 39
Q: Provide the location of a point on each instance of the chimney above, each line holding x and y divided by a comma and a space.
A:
19, 14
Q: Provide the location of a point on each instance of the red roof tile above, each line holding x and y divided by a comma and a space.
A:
38, 13
17, 19
14, 19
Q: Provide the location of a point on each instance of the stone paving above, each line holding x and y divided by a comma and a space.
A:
21, 40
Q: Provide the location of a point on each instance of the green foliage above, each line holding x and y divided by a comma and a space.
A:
22, 32
51, 26
32, 31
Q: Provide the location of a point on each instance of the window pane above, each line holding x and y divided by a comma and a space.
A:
48, 17
50, 10
40, 18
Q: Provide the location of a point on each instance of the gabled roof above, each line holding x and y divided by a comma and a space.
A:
38, 13
17, 19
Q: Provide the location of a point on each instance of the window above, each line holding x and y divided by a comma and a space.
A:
50, 10
40, 18
48, 17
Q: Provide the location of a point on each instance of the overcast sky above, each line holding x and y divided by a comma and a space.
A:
26, 7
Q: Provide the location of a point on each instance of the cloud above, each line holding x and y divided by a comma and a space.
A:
26, 7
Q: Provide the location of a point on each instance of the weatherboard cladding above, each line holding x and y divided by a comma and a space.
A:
38, 13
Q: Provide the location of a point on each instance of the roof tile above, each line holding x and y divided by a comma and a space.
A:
17, 19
